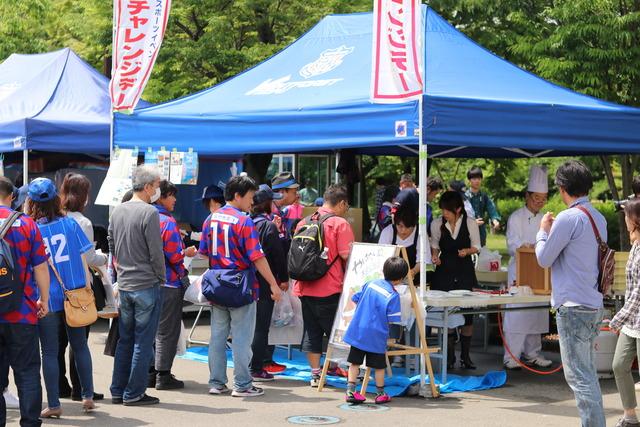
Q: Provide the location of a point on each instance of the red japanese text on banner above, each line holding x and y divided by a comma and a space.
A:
138, 30
396, 72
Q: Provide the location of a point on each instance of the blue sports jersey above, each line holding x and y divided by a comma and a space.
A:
378, 304
65, 242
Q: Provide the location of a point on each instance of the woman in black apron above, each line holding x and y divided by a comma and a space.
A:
451, 254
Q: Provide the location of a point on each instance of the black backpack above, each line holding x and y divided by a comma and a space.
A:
305, 261
11, 287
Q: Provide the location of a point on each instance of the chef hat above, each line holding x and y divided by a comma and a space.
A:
538, 179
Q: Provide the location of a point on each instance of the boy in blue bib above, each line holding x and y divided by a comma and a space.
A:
378, 304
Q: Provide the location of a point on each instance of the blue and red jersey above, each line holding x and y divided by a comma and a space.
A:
65, 243
231, 241
28, 251
173, 248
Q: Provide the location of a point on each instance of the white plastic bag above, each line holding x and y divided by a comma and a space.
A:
488, 260
282, 311
193, 294
182, 341
292, 333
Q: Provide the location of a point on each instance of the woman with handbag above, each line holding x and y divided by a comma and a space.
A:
74, 195
626, 322
71, 303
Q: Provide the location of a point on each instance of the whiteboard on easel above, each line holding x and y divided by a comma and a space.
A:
365, 263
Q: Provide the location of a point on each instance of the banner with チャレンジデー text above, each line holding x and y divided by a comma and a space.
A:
396, 71
138, 30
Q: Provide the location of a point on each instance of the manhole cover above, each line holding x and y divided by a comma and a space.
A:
364, 407
316, 420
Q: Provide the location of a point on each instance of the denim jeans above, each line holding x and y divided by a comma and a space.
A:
241, 323
19, 347
49, 330
578, 328
138, 323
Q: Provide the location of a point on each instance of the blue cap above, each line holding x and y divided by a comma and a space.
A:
19, 196
319, 201
265, 193
212, 192
42, 190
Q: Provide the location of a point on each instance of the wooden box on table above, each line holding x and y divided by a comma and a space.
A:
529, 273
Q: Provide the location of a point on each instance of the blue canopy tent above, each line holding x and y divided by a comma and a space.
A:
314, 96
53, 102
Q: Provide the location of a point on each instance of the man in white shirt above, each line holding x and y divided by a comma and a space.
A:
523, 329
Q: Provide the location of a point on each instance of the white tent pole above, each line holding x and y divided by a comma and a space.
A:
337, 175
25, 166
423, 238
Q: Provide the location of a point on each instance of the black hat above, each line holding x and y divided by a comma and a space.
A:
458, 186
212, 192
284, 180
265, 193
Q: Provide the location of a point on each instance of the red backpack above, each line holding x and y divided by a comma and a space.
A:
606, 259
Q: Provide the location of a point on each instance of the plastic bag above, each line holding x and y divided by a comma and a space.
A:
282, 311
182, 341
193, 294
292, 333
488, 260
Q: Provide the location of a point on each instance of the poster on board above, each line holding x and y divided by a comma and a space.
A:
365, 264
118, 179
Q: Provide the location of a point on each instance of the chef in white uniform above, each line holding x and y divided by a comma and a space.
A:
523, 329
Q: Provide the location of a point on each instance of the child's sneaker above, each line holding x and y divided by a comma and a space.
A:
250, 392
354, 397
382, 398
315, 381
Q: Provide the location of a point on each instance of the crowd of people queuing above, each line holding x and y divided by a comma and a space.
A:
247, 236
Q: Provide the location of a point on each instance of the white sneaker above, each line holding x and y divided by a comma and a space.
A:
315, 382
540, 361
511, 365
250, 392
11, 401
215, 390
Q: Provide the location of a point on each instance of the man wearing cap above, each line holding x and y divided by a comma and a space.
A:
523, 329
285, 184
212, 198
277, 259
19, 344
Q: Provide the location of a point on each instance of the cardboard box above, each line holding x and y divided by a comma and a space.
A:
354, 216
529, 273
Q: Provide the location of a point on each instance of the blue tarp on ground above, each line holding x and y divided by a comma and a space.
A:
397, 385
53, 102
314, 96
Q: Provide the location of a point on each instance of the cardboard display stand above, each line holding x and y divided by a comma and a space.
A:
365, 264
529, 273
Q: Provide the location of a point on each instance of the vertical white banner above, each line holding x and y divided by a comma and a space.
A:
396, 72
138, 30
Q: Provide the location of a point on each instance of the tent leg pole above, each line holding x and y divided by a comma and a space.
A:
337, 175
25, 167
422, 227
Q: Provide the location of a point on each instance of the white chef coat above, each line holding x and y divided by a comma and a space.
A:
522, 227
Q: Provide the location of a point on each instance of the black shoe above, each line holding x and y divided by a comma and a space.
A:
168, 382
78, 398
65, 392
152, 380
145, 400
465, 360
116, 401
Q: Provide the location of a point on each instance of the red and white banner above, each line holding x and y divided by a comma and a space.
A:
396, 72
138, 30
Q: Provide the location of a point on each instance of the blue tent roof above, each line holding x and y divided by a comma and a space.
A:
53, 102
314, 96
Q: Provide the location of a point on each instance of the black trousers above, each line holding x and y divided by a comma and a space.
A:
260, 345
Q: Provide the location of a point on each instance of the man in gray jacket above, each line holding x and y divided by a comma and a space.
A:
136, 245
